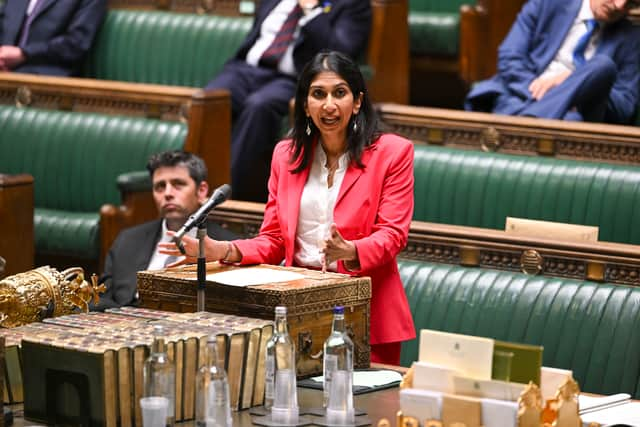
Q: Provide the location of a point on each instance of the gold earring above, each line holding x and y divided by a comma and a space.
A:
308, 130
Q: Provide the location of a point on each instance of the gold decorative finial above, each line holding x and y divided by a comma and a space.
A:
530, 406
45, 292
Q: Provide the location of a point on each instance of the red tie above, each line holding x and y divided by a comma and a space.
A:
281, 42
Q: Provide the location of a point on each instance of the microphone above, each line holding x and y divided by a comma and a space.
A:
219, 195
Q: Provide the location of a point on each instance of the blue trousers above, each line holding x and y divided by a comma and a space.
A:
259, 100
582, 96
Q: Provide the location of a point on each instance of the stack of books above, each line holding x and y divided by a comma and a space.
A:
92, 364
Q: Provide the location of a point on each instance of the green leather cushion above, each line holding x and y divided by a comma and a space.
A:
452, 6
481, 189
434, 26
75, 234
75, 159
588, 327
434, 33
164, 47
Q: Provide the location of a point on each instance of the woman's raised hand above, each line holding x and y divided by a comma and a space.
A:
337, 248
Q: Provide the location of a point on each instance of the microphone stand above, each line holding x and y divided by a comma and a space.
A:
202, 264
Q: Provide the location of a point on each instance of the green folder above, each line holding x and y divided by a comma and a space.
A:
521, 361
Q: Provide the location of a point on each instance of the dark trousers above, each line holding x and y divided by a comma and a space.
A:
582, 96
259, 100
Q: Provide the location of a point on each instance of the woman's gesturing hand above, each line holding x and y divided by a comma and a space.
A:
337, 248
214, 250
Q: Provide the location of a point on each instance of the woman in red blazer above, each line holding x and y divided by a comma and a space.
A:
340, 197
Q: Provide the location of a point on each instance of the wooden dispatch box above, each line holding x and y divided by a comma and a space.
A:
309, 301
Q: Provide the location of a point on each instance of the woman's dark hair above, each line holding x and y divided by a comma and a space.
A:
367, 130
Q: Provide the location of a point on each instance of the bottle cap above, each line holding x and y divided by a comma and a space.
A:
338, 309
281, 310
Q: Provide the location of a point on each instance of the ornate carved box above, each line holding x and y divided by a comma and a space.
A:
309, 300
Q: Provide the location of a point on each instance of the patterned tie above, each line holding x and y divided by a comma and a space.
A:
281, 42
581, 46
27, 24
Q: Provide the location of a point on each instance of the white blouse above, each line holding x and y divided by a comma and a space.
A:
316, 209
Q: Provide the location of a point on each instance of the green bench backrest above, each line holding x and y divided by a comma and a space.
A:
481, 189
590, 328
437, 5
434, 26
75, 158
164, 48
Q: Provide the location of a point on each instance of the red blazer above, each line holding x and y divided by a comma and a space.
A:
373, 209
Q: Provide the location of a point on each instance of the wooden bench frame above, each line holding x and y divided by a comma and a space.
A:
480, 247
16, 223
514, 135
483, 26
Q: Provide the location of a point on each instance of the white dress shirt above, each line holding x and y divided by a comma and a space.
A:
563, 61
158, 260
270, 27
316, 209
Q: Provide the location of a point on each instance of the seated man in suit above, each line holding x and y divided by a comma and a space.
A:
48, 36
179, 188
285, 35
573, 60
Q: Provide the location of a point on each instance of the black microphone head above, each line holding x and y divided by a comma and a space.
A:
222, 193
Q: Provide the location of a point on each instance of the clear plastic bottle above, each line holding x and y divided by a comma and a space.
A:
160, 374
338, 371
212, 391
280, 388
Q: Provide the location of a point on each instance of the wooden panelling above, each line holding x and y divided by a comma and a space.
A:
16, 223
485, 248
514, 135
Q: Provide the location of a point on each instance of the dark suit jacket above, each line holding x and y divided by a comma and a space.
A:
130, 253
61, 33
344, 26
535, 38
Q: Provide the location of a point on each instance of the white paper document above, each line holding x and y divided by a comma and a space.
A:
497, 413
427, 376
626, 413
253, 276
421, 404
588, 403
469, 355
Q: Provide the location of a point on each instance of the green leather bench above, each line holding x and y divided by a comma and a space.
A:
478, 189
75, 159
590, 328
434, 27
164, 47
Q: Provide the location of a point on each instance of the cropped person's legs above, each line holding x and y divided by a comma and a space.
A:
240, 79
256, 130
585, 91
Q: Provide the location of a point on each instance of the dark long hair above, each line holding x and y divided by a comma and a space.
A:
367, 130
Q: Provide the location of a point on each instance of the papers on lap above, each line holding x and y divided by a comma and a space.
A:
253, 276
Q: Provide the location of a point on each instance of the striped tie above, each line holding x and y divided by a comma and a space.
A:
281, 42
24, 35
